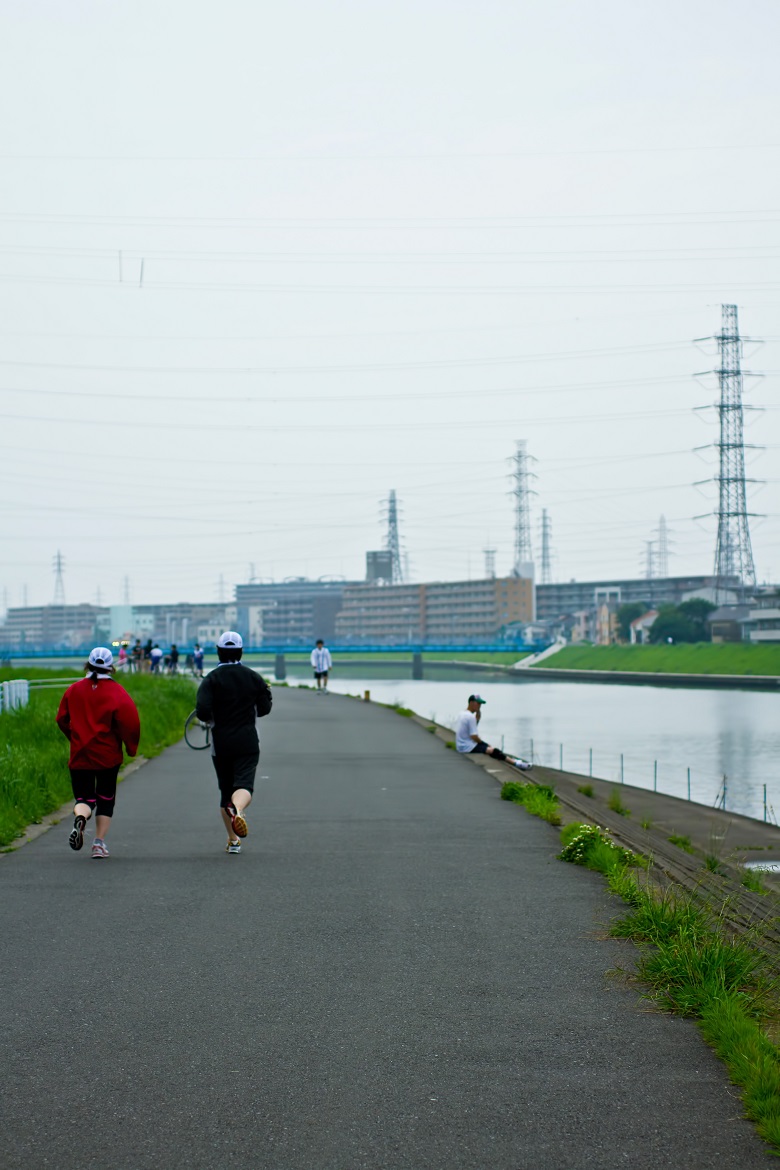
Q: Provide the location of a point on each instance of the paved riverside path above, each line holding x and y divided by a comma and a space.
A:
395, 973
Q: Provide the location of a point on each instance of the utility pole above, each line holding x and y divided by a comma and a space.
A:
490, 562
393, 539
546, 577
733, 550
522, 492
59, 583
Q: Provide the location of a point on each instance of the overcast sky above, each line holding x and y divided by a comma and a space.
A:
259, 264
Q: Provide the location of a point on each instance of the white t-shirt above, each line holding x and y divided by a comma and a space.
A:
465, 727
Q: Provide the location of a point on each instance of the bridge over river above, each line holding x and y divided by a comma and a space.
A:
395, 973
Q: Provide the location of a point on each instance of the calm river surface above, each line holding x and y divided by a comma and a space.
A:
714, 733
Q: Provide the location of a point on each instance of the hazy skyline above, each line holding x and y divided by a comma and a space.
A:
257, 268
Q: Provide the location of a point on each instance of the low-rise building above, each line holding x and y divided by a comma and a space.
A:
762, 623
639, 629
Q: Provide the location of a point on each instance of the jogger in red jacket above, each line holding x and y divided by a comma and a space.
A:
97, 715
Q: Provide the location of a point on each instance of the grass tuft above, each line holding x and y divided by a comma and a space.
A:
616, 804
681, 842
538, 799
592, 846
586, 790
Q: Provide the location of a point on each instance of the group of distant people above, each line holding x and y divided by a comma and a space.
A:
151, 658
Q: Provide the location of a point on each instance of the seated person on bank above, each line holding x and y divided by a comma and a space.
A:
467, 738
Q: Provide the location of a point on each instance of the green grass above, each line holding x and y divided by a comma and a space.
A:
616, 804
586, 790
34, 778
681, 842
692, 967
592, 846
699, 658
537, 799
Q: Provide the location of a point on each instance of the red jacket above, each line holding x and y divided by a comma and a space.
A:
97, 718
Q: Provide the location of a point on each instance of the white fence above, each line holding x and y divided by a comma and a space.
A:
14, 694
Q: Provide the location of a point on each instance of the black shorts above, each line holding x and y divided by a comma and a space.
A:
95, 787
235, 772
320, 674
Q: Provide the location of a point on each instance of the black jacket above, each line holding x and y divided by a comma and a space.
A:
231, 696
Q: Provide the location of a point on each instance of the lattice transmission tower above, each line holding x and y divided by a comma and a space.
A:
393, 539
662, 549
522, 492
546, 569
59, 580
490, 562
733, 550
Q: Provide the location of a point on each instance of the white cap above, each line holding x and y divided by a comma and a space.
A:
230, 639
101, 656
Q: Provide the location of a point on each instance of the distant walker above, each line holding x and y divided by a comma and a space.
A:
321, 662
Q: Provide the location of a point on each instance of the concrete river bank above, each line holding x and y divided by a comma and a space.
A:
659, 733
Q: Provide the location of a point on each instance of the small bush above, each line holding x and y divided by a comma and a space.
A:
586, 789
593, 847
450, 744
646, 823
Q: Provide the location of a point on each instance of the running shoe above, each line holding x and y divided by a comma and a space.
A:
99, 849
76, 838
237, 822
523, 765
233, 847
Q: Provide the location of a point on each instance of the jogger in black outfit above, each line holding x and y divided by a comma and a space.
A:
231, 698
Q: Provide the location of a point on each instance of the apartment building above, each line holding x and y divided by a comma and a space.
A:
436, 613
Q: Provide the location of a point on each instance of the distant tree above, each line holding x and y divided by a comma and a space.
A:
696, 611
627, 614
673, 626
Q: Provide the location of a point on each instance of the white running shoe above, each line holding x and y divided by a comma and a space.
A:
233, 847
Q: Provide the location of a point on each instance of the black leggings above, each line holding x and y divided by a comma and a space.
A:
95, 787
496, 753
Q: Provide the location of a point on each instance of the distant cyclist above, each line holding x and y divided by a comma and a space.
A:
467, 737
321, 662
97, 715
231, 698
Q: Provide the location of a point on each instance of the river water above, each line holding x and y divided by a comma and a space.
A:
712, 732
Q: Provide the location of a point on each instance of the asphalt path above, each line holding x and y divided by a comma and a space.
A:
395, 973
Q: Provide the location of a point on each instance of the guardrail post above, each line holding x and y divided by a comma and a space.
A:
655, 775
590, 762
560, 758
417, 665
532, 751
765, 802
280, 668
621, 768
689, 784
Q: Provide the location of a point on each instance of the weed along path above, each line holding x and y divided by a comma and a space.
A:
395, 973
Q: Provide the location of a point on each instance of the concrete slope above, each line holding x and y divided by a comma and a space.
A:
395, 973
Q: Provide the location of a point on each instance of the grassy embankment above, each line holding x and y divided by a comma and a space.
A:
699, 658
690, 963
34, 778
